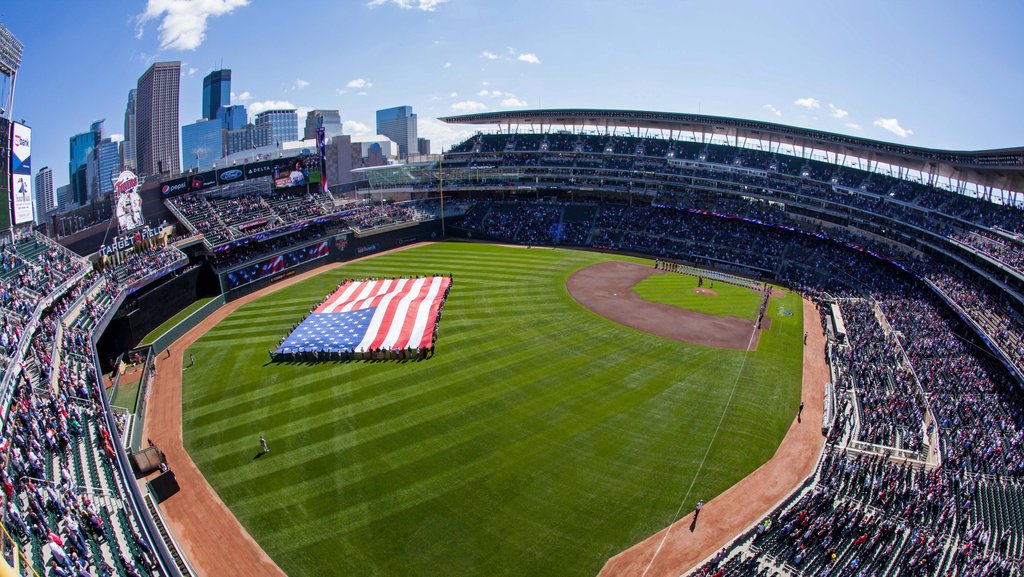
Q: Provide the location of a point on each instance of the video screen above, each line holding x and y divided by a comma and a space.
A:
296, 171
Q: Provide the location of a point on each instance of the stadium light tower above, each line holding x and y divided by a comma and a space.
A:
10, 60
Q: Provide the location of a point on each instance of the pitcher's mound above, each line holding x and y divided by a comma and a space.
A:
606, 289
705, 292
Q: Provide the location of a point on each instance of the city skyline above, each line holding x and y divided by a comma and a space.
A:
884, 73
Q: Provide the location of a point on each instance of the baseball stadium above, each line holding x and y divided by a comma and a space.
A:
586, 342
579, 342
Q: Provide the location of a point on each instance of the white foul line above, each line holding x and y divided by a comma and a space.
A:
721, 419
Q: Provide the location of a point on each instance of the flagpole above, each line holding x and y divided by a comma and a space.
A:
440, 187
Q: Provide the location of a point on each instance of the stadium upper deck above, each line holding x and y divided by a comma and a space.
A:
995, 174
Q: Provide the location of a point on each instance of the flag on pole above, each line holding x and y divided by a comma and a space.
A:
373, 314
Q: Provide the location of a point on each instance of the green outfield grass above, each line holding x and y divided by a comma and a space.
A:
678, 290
540, 440
169, 323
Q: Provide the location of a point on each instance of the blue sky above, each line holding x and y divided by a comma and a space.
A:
939, 74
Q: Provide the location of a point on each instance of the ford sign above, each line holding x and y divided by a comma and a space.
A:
233, 174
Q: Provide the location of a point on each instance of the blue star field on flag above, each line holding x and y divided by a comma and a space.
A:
335, 332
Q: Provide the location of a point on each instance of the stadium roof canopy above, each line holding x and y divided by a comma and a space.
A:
1001, 169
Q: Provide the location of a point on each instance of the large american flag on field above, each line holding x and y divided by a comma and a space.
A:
372, 314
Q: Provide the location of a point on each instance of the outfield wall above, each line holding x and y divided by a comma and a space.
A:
344, 247
141, 313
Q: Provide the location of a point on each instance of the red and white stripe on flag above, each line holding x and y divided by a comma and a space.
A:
406, 309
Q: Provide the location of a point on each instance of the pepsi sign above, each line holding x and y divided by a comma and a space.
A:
173, 187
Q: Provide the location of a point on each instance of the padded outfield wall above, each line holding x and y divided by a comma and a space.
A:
342, 247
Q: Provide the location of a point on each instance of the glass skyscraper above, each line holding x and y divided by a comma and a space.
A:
108, 160
216, 93
399, 124
202, 143
81, 151
284, 124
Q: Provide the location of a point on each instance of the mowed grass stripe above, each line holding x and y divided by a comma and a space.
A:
539, 440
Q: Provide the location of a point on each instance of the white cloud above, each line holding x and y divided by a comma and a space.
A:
489, 55
117, 137
893, 126
356, 128
442, 135
425, 5
243, 97
447, 64
489, 93
359, 83
485, 83
853, 126
528, 57
192, 71
183, 22
258, 107
453, 95
808, 103
300, 84
361, 93
469, 106
773, 110
513, 102
837, 112
341, 91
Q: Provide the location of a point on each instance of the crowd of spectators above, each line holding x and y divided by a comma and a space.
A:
1009, 252
61, 495
890, 408
370, 215
819, 180
227, 218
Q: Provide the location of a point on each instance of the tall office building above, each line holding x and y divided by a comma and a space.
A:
216, 93
248, 137
81, 151
339, 160
107, 158
202, 143
128, 146
399, 124
330, 120
156, 120
423, 145
63, 197
232, 117
284, 124
46, 202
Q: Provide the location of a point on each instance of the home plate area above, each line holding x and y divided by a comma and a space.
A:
370, 319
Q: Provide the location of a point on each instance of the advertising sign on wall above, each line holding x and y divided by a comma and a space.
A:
174, 187
21, 172
202, 180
